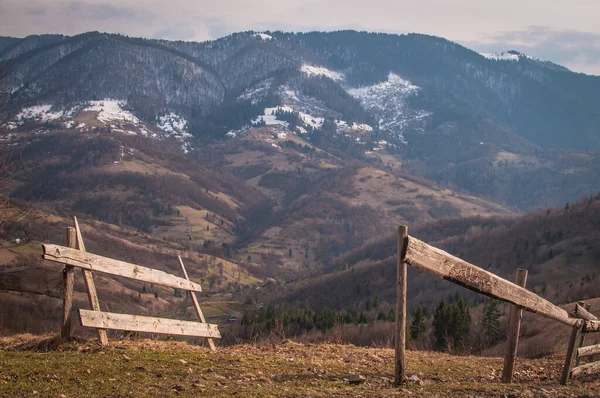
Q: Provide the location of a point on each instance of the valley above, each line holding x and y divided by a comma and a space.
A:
279, 165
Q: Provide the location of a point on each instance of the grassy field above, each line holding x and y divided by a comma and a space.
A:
163, 369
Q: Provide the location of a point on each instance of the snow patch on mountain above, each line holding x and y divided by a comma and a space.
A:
301, 102
257, 92
172, 123
111, 110
269, 118
42, 113
388, 101
311, 70
341, 124
506, 56
264, 36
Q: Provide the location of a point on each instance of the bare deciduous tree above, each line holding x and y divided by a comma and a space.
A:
7, 147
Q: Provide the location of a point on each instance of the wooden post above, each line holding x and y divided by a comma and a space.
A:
571, 352
89, 284
582, 339
400, 330
210, 341
514, 323
69, 277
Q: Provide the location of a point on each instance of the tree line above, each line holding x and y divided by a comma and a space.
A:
449, 327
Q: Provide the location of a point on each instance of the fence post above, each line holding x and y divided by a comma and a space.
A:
90, 285
514, 323
400, 330
209, 340
582, 341
69, 278
571, 352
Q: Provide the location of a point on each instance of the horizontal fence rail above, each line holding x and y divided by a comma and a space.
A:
444, 265
591, 326
93, 262
582, 313
585, 370
137, 323
588, 351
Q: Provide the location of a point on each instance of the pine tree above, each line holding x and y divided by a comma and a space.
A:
490, 322
417, 326
463, 322
451, 324
440, 325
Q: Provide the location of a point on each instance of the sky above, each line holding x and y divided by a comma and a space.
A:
561, 31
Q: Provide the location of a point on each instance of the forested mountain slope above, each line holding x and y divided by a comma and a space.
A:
515, 130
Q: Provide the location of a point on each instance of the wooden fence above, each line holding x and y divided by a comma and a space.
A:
589, 324
75, 256
424, 257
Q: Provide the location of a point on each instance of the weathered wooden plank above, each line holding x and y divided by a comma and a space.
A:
400, 329
444, 265
93, 262
37, 279
571, 352
587, 369
591, 326
582, 313
514, 323
90, 285
588, 351
137, 323
209, 340
69, 275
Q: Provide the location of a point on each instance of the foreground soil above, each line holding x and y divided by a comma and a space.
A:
41, 367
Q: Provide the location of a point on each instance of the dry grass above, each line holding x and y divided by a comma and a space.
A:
156, 368
404, 200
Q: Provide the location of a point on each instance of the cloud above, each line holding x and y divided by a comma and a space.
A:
577, 50
38, 11
105, 11
177, 32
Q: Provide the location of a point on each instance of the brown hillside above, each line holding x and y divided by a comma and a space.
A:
558, 247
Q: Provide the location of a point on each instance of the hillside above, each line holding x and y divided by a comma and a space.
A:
517, 131
142, 368
267, 196
557, 246
20, 259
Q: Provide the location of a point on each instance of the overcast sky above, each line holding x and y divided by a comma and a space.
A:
563, 31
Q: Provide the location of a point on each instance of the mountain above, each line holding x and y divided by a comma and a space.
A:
289, 150
509, 128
